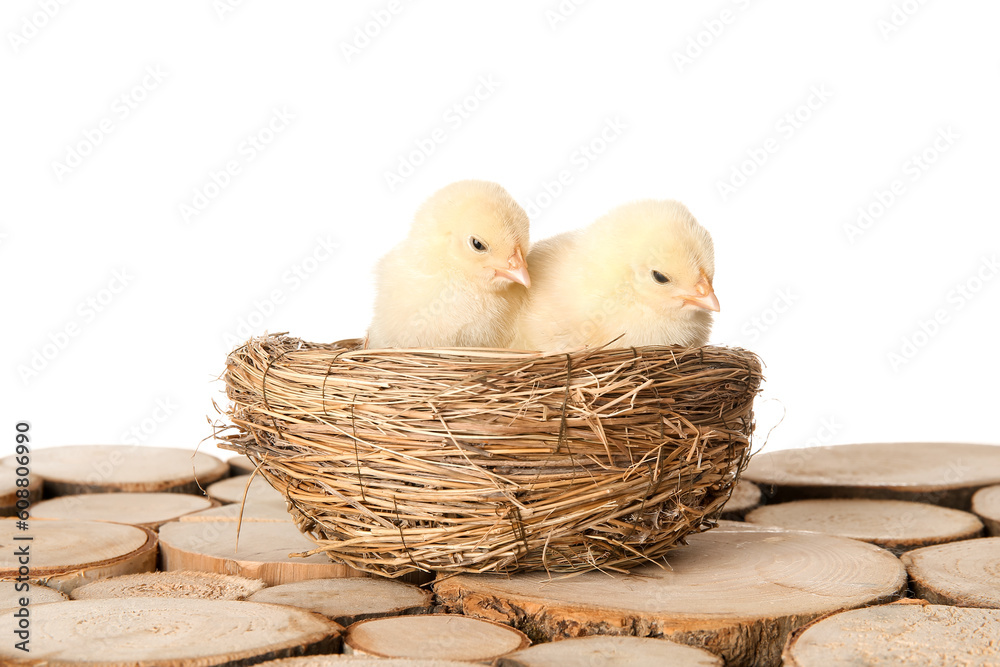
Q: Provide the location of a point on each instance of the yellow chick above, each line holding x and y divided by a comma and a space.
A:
640, 275
459, 277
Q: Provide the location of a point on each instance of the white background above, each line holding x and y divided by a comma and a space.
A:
697, 90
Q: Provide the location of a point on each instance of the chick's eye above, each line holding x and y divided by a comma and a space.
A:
477, 245
659, 277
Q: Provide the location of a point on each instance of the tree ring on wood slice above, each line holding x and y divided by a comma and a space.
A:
167, 632
964, 574
746, 496
150, 510
231, 491
606, 651
177, 584
735, 591
940, 473
9, 490
898, 634
360, 661
436, 636
897, 525
986, 503
351, 599
68, 554
73, 469
37, 593
264, 551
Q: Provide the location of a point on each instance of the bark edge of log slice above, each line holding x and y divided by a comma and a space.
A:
175, 584
175, 632
917, 471
737, 593
473, 639
341, 660
889, 634
896, 525
609, 650
986, 505
350, 599
108, 550
70, 469
961, 574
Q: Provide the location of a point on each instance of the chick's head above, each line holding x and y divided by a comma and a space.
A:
659, 257
476, 230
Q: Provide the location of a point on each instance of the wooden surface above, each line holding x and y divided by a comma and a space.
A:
9, 488
737, 591
350, 600
433, 636
231, 490
166, 632
598, 651
240, 465
360, 661
73, 469
965, 574
139, 509
178, 584
940, 473
746, 496
900, 635
897, 525
67, 554
264, 551
254, 510
37, 593
986, 504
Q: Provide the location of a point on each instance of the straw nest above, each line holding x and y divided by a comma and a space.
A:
476, 460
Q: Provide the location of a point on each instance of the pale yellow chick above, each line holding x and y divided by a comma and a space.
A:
640, 275
459, 277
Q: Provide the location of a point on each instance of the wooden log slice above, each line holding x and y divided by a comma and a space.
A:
350, 600
897, 525
166, 632
263, 553
177, 584
433, 636
899, 634
150, 510
360, 661
986, 503
74, 469
67, 554
964, 574
600, 651
254, 510
940, 473
231, 490
737, 592
37, 593
9, 489
240, 465
746, 496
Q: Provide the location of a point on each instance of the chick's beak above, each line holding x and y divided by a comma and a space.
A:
704, 296
516, 269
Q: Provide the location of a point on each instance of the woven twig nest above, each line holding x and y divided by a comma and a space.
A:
474, 460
